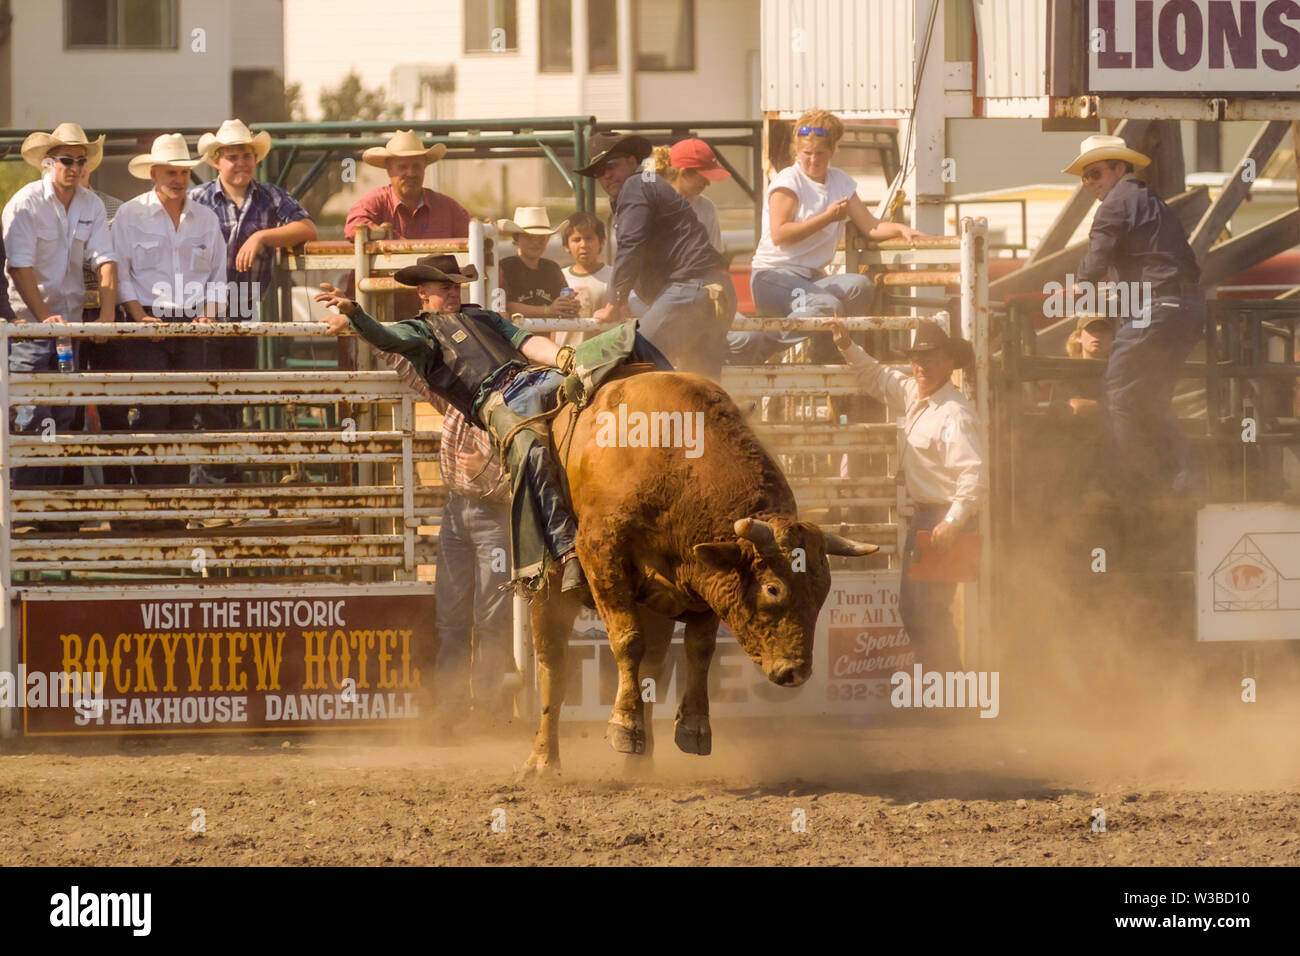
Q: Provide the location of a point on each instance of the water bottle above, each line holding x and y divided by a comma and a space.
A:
63, 349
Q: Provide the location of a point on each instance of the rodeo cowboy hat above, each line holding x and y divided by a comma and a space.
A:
37, 145
601, 146
930, 337
441, 268
233, 132
405, 142
532, 220
169, 149
1096, 149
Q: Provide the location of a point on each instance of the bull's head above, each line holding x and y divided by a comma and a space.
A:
769, 585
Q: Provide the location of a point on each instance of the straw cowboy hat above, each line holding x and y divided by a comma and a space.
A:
1096, 149
530, 219
600, 146
405, 142
37, 145
169, 149
930, 337
441, 268
233, 132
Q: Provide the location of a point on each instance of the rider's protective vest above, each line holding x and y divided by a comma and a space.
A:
472, 352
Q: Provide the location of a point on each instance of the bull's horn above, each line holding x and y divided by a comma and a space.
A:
758, 531
845, 548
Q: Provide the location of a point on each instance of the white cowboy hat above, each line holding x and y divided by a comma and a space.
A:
37, 145
1095, 149
405, 142
169, 149
530, 219
233, 132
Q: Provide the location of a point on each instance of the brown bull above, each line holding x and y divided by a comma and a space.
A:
669, 536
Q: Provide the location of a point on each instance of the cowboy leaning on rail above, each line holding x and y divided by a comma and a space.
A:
500, 376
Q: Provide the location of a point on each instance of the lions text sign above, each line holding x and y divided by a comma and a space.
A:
208, 660
1198, 47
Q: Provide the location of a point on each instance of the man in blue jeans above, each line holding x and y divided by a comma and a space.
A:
473, 618
663, 254
479, 363
52, 228
1139, 240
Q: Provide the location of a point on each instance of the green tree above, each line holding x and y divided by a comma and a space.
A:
14, 175
350, 100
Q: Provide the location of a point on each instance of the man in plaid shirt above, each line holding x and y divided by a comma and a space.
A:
473, 563
256, 218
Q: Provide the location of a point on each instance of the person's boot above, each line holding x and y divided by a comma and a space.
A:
572, 577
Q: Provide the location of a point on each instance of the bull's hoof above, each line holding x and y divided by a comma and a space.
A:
693, 735
625, 740
540, 767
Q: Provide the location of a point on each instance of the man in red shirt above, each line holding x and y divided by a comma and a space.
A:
405, 207
413, 211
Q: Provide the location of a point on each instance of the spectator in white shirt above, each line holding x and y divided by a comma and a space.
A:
942, 466
172, 269
803, 222
52, 228
583, 235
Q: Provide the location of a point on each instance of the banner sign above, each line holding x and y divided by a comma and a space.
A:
197, 662
859, 643
1194, 47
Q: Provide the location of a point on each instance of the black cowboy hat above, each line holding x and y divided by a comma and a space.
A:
601, 146
436, 269
930, 337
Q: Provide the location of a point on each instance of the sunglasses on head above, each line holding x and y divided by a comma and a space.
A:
77, 161
811, 130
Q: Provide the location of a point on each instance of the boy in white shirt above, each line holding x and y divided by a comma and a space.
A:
583, 235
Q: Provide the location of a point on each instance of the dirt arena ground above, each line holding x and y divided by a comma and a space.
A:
1176, 789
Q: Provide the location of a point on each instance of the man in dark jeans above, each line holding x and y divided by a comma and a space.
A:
479, 363
473, 619
51, 228
172, 268
664, 254
1138, 239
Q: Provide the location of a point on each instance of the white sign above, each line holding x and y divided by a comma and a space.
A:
1248, 572
1199, 47
859, 643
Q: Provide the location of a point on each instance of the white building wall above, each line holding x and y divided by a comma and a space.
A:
114, 88
326, 39
258, 30
726, 34
508, 84
829, 54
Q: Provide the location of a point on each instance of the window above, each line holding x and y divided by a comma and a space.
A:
665, 35
119, 24
557, 36
602, 36
491, 26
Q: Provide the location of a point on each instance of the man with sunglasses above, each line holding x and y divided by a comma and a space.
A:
51, 228
1138, 240
664, 254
